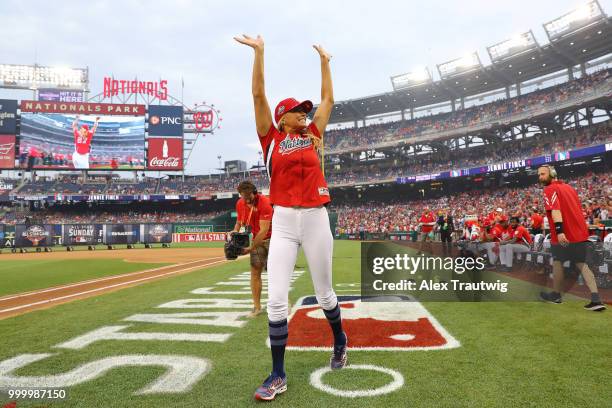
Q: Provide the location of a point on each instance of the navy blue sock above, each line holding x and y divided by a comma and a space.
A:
278, 340
335, 321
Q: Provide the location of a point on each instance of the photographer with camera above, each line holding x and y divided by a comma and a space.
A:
255, 213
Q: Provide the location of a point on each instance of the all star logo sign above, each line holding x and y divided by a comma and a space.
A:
290, 145
402, 326
280, 110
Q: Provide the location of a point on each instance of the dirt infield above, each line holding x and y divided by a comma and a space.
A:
184, 260
158, 255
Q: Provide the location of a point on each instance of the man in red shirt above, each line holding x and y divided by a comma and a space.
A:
515, 239
82, 143
426, 222
537, 222
255, 212
489, 240
569, 235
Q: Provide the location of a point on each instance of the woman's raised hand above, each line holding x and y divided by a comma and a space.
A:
255, 43
322, 52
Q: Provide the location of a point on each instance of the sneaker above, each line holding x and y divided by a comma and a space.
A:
550, 297
273, 385
595, 307
339, 356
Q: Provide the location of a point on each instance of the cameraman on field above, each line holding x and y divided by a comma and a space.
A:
254, 211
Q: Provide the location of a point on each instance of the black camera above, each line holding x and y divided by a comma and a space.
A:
236, 244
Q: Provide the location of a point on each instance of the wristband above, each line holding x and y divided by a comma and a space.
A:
559, 227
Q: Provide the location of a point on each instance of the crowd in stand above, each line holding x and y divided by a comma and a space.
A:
491, 112
435, 162
427, 163
595, 191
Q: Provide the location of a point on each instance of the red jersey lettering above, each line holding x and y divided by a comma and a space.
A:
82, 143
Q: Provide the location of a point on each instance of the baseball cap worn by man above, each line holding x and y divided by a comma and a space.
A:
288, 104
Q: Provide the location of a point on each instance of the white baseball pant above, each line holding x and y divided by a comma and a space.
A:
80, 161
507, 251
292, 227
489, 246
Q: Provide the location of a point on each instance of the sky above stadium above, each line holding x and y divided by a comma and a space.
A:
192, 40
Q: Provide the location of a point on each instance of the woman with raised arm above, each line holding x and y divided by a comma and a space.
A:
299, 194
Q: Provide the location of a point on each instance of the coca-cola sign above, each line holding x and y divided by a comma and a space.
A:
165, 153
167, 162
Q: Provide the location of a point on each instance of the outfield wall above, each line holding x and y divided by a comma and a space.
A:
49, 235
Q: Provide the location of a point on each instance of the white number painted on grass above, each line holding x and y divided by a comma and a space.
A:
208, 303
316, 380
224, 319
113, 333
181, 375
212, 291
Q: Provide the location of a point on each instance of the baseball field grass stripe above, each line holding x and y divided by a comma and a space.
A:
104, 288
56, 288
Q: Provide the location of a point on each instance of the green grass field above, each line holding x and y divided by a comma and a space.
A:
29, 275
512, 354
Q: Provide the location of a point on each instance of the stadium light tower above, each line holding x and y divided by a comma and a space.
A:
459, 66
574, 20
512, 46
416, 77
37, 76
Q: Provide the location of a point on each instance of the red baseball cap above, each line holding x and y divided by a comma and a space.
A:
503, 218
286, 105
85, 126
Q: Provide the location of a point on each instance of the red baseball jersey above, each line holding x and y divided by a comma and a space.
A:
491, 217
296, 179
497, 231
261, 211
537, 220
522, 235
82, 143
561, 196
426, 219
503, 234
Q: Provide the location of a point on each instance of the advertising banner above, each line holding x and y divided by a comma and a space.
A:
36, 235
117, 234
165, 120
156, 233
60, 95
165, 154
7, 151
8, 116
82, 234
200, 237
192, 228
83, 108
